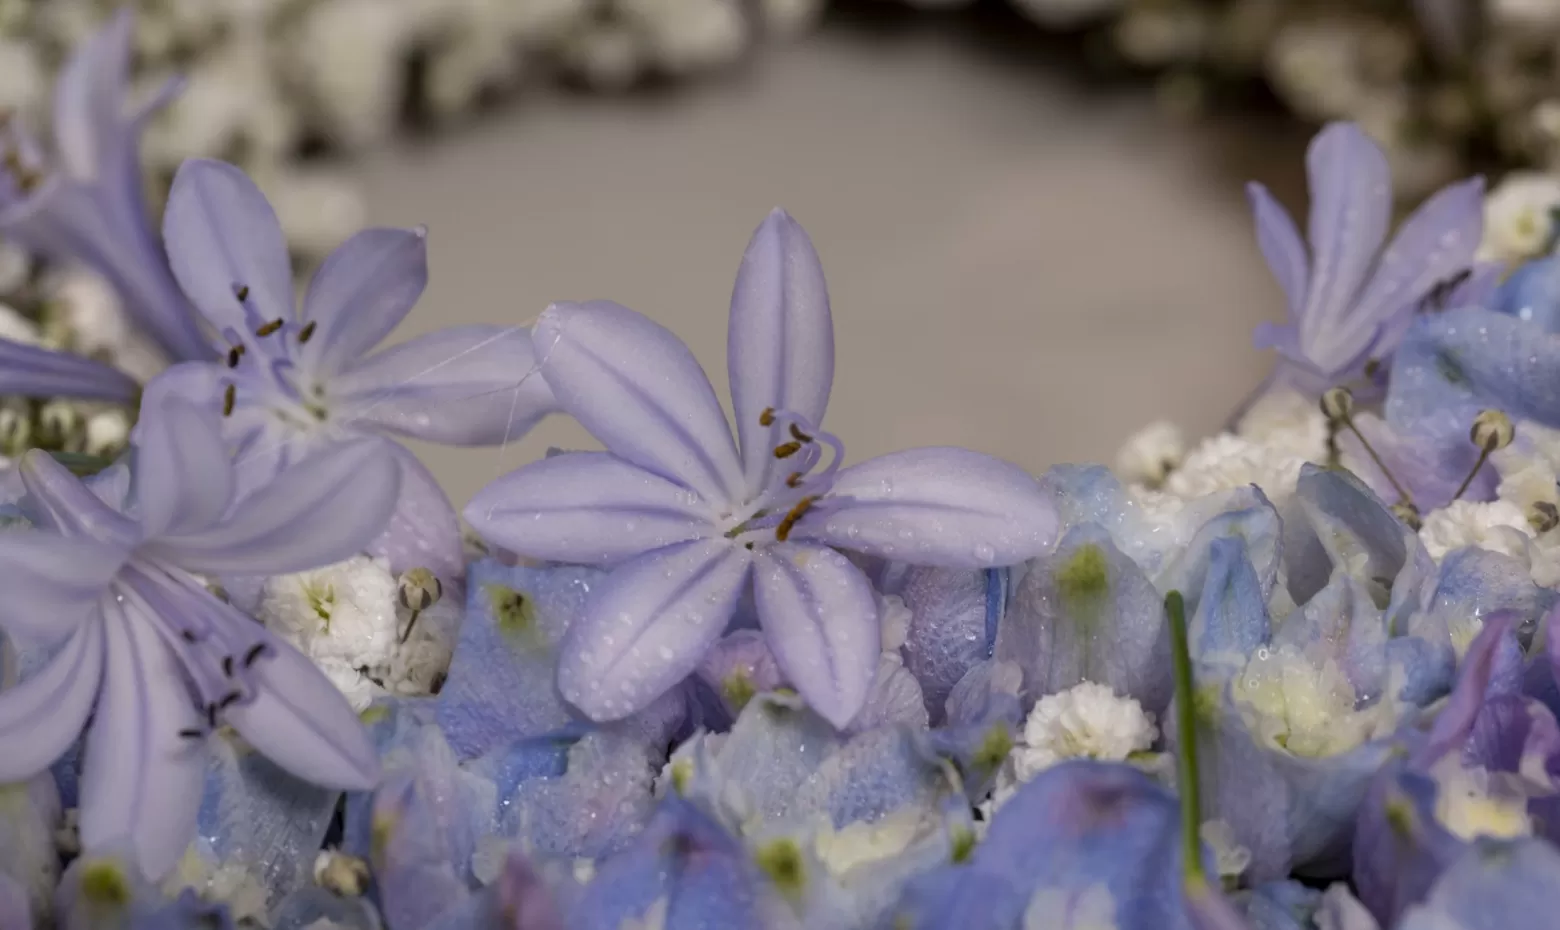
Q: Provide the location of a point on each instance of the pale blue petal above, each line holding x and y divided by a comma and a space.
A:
595, 808
780, 341
413, 858
1283, 905
1475, 583
895, 699
589, 508
460, 386
1531, 294
52, 583
1281, 247
875, 774
1494, 359
81, 905
423, 531
361, 291
1086, 612
638, 390
222, 236
33, 371
29, 859
41, 717
648, 624
58, 500
183, 472
949, 614
738, 666
936, 506
1231, 619
140, 779
89, 97
320, 511
1430, 457
306, 907
1494, 886
1242, 512
15, 912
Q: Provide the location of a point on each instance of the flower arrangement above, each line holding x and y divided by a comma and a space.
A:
1302, 675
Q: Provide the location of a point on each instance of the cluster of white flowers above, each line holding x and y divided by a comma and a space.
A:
347, 618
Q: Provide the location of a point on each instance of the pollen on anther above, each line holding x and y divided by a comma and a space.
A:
234, 354
798, 435
767, 418
228, 700
241, 291
784, 529
187, 635
229, 397
190, 733
786, 450
793, 479
227, 666
266, 329
307, 333
253, 654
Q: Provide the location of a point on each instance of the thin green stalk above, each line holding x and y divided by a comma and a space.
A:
1186, 750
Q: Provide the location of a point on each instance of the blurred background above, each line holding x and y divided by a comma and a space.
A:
1030, 212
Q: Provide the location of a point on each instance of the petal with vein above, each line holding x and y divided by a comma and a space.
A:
42, 716
88, 95
821, 621
648, 624
1281, 246
588, 508
183, 473
638, 390
58, 500
33, 371
52, 583
362, 290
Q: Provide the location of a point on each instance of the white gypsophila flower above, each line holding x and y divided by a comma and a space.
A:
18, 328
355, 683
1089, 721
349, 56
1060, 909
894, 619
1228, 461
464, 68
1288, 422
21, 77
1301, 701
344, 611
688, 35
1151, 453
107, 431
1518, 217
1471, 802
229, 884
91, 311
1497, 525
1315, 67
863, 843
1061, 14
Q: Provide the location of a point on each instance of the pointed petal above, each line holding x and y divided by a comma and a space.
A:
361, 291
1493, 886
41, 717
89, 96
183, 473
948, 626
937, 506
141, 780
780, 342
647, 626
1231, 618
326, 508
589, 508
221, 235
821, 620
33, 371
300, 721
58, 500
1281, 246
1351, 207
423, 532
52, 583
638, 389
461, 386
1501, 360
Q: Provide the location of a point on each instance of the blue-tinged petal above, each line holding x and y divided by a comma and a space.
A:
33, 371
1340, 910
29, 860
638, 390
89, 98
936, 506
223, 241
1430, 457
820, 618
1231, 619
1493, 886
964, 898
1282, 905
948, 628
188, 911
870, 777
322, 510
1086, 612
1475, 583
311, 905
58, 500
589, 508
1531, 294
648, 624
140, 778
414, 856
360, 292
780, 340
104, 889
52, 583
41, 717
1245, 513
988, 691
183, 472
1281, 247
739, 666
460, 386
15, 911
1499, 360
501, 685
594, 808
423, 531
895, 698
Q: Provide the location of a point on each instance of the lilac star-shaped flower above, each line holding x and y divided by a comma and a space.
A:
689, 523
148, 661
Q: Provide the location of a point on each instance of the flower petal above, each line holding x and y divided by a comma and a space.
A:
32, 371
140, 780
820, 617
461, 386
52, 583
423, 531
89, 96
638, 390
222, 236
1281, 246
949, 610
42, 716
587, 508
361, 291
300, 721
1351, 208
780, 342
326, 508
938, 506
1500, 360
647, 626
183, 473
58, 500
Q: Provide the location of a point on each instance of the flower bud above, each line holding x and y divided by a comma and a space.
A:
1337, 404
1492, 430
1543, 516
420, 589
1409, 514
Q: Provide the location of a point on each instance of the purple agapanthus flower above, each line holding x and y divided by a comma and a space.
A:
148, 661
294, 381
83, 202
687, 520
1349, 301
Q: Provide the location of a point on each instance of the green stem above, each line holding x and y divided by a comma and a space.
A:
1186, 751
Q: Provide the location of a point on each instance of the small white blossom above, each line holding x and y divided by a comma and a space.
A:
17, 328
1086, 721
862, 843
1060, 909
608, 56
353, 682
1230, 857
1525, 17
1517, 219
1470, 802
1229, 461
342, 611
1497, 525
1303, 702
895, 620
91, 311
688, 35
1149, 455
107, 431
1289, 423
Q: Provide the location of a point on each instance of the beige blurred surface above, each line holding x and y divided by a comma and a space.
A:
1015, 265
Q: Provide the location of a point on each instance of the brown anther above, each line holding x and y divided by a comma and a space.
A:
211, 716
187, 635
253, 654
793, 479
798, 435
787, 449
229, 397
241, 292
307, 333
227, 666
1409, 514
192, 734
266, 329
767, 418
802, 506
234, 354
228, 700
1372, 366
